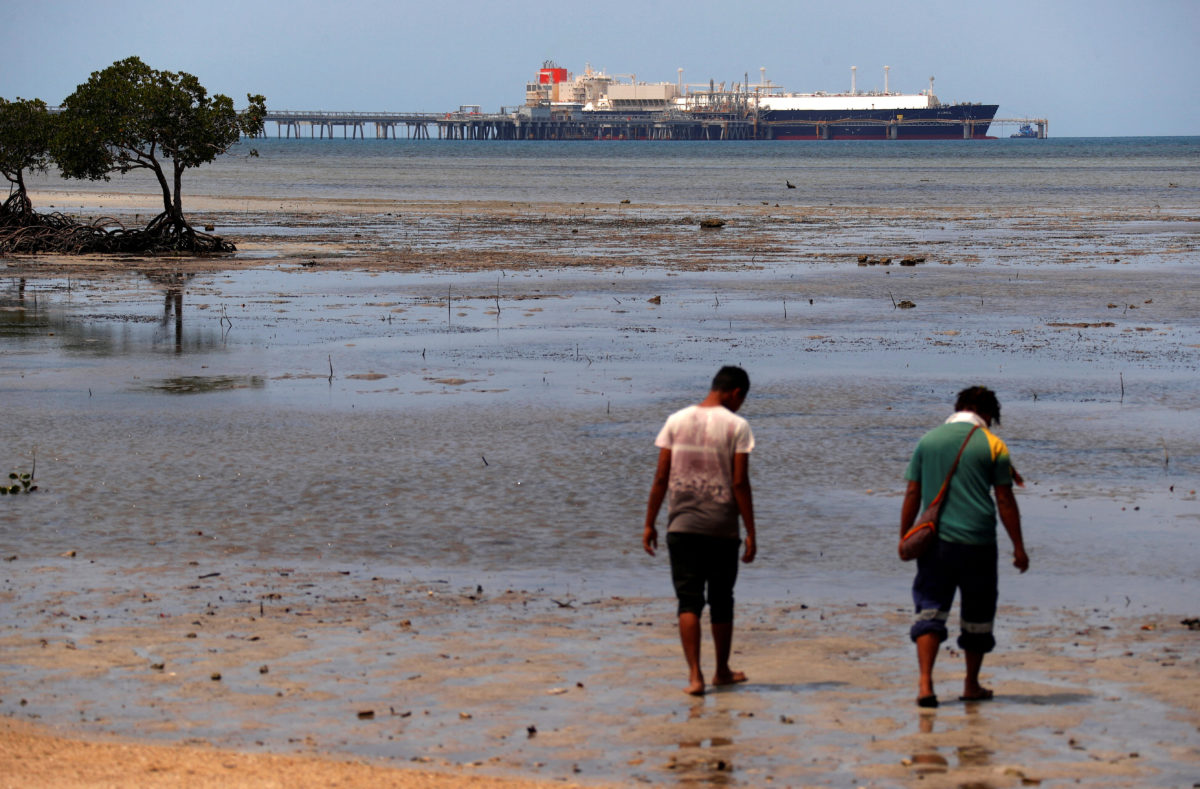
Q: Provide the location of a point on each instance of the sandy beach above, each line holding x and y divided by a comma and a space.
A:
216, 664
500, 683
34, 756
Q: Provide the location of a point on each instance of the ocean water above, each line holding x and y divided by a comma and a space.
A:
1069, 173
351, 419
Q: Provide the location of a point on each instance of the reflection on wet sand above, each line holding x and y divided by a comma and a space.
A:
172, 284
973, 756
198, 384
929, 759
18, 315
929, 762
106, 331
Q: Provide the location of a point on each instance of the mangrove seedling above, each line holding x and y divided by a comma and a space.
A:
19, 483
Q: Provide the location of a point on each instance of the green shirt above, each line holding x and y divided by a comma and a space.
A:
969, 512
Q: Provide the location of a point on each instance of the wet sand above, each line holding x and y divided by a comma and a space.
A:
370, 234
119, 669
506, 682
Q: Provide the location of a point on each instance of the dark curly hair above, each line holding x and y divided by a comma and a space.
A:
981, 400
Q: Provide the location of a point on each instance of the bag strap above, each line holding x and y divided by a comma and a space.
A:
953, 467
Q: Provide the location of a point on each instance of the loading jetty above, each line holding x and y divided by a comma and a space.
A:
598, 106
474, 125
504, 126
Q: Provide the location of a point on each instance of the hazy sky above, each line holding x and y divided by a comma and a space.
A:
1093, 67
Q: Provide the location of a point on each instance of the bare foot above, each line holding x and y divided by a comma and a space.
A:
695, 688
977, 693
729, 678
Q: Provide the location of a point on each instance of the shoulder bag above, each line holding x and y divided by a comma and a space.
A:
923, 534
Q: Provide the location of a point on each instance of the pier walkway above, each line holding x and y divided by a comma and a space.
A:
503, 126
353, 124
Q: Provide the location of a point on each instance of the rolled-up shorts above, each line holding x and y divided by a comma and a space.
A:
948, 567
704, 568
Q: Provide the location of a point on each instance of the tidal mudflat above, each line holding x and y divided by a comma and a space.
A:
372, 489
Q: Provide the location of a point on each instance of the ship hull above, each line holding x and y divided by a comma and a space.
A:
953, 122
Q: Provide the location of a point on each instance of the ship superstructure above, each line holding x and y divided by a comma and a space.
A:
595, 91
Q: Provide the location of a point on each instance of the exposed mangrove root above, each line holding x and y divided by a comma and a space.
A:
17, 205
25, 231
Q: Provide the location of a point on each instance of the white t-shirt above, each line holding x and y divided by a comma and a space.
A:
703, 441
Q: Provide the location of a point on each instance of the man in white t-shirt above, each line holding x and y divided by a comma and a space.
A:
703, 463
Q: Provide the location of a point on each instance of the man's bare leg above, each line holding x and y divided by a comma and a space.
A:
927, 649
723, 641
972, 690
689, 636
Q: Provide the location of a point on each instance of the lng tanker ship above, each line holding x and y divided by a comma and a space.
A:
872, 115
776, 113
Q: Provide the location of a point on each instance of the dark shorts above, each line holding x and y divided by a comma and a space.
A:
699, 561
944, 569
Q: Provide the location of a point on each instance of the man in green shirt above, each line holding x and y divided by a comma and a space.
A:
964, 557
